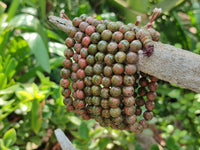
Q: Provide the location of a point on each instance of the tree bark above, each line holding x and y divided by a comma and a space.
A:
174, 65
167, 63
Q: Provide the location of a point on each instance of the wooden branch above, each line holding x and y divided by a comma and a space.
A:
144, 140
63, 140
174, 65
167, 63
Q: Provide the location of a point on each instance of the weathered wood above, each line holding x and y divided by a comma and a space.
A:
61, 23
167, 63
63, 140
174, 65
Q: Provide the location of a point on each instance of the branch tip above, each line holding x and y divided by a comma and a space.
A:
155, 14
63, 15
138, 20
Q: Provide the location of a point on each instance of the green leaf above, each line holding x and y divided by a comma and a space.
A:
103, 142
138, 5
138, 147
2, 146
24, 21
14, 148
178, 45
83, 130
196, 13
29, 10
182, 29
4, 39
12, 9
54, 63
38, 48
83, 9
54, 36
74, 120
57, 48
9, 137
75, 134
10, 69
109, 16
36, 139
36, 116
167, 5
126, 10
97, 133
29, 22
77, 143
42, 9
170, 143
154, 147
3, 80
9, 90
176, 93
176, 105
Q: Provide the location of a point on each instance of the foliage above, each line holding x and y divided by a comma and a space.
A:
31, 54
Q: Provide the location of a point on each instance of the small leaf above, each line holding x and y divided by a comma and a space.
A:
178, 45
103, 142
9, 137
154, 147
83, 130
36, 118
22, 95
109, 16
54, 63
77, 142
10, 70
176, 105
38, 48
74, 120
4, 39
54, 36
2, 146
170, 143
13, 8
56, 48
9, 90
3, 80
97, 133
36, 139
176, 93
138, 147
83, 9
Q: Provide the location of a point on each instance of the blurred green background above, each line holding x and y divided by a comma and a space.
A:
31, 54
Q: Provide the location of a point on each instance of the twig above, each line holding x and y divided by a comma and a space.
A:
63, 140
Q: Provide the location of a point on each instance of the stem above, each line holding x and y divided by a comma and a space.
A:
138, 20
63, 15
156, 12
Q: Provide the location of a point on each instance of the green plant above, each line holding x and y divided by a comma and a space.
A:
8, 140
31, 54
